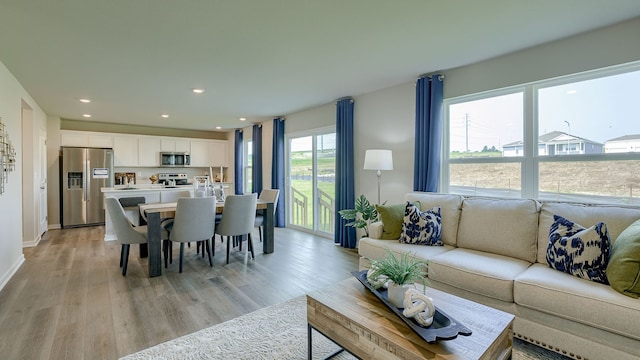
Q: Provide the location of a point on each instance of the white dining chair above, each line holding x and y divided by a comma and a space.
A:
269, 195
238, 218
125, 231
194, 221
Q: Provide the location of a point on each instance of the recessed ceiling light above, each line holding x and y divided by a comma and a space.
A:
218, 127
243, 119
86, 115
85, 100
198, 91
165, 115
571, 92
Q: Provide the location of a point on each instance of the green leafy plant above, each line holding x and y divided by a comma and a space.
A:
360, 216
406, 270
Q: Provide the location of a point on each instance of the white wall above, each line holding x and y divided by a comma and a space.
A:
12, 95
385, 118
53, 171
613, 45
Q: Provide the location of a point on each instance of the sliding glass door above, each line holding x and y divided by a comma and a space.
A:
311, 186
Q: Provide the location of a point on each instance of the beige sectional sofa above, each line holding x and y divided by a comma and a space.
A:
494, 253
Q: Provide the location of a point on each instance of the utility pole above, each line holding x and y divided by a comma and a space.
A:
466, 130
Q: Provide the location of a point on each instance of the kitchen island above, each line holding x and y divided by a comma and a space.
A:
151, 193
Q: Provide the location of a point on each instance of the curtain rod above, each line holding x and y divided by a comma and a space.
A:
440, 76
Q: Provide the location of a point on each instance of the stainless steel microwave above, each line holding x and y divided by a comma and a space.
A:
175, 159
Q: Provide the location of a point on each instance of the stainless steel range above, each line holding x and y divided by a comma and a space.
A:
173, 178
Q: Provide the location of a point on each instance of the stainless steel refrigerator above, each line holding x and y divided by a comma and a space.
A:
84, 171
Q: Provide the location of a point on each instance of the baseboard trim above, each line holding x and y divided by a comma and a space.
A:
54, 227
32, 243
9, 274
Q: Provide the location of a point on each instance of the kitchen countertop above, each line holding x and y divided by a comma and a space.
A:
147, 187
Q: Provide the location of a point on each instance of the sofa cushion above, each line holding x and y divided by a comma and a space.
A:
506, 227
421, 227
478, 272
623, 270
553, 292
450, 206
391, 217
578, 251
376, 249
617, 219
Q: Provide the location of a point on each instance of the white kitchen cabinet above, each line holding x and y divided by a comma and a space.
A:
85, 139
149, 151
205, 153
74, 138
101, 141
125, 150
219, 153
200, 153
175, 145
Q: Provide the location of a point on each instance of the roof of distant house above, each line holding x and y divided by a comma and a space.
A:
626, 137
550, 137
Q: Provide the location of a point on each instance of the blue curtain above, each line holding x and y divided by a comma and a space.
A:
428, 134
277, 169
237, 164
345, 184
256, 167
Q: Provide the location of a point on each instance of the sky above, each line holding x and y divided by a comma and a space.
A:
598, 109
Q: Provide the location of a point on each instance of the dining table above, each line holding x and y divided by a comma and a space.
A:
156, 212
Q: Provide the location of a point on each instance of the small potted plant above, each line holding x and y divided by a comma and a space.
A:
361, 215
398, 274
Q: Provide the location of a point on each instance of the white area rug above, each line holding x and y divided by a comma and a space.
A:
275, 332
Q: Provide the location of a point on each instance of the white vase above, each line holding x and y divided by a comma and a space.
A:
395, 294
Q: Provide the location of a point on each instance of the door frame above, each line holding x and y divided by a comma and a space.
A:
313, 133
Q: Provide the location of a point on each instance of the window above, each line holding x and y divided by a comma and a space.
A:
248, 166
579, 140
485, 135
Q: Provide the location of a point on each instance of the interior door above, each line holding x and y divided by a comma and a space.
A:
42, 176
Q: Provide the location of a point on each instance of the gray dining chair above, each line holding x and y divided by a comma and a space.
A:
238, 218
194, 221
269, 195
169, 196
125, 231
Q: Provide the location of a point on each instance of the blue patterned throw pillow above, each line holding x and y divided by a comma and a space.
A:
579, 251
421, 227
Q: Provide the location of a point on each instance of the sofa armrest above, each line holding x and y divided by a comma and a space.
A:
375, 230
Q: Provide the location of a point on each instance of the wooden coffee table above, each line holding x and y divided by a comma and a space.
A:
355, 319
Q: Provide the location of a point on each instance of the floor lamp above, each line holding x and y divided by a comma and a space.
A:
378, 160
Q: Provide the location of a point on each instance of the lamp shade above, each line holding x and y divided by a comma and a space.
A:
376, 159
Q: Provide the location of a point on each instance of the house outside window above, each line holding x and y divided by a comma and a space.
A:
575, 138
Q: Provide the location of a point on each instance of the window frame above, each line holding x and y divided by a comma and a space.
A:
247, 166
530, 161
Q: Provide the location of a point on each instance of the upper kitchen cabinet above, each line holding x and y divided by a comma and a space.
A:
175, 145
149, 151
205, 153
85, 139
219, 153
125, 150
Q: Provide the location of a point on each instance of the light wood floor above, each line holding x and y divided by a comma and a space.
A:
69, 299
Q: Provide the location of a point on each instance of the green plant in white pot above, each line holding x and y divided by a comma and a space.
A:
361, 215
397, 273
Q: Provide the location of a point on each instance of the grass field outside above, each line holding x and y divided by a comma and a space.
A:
610, 179
301, 179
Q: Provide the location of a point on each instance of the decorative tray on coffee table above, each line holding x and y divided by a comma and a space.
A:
444, 327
